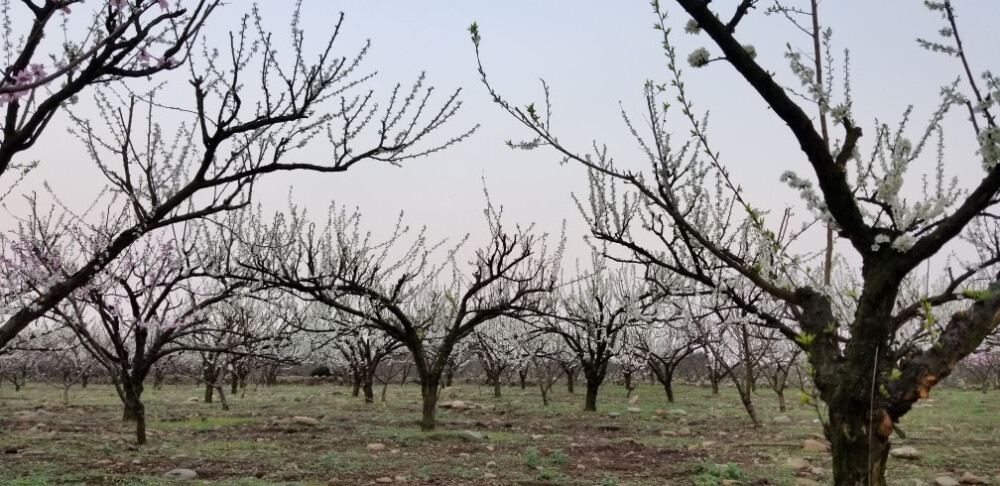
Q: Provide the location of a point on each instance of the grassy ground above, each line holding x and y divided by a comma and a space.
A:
85, 443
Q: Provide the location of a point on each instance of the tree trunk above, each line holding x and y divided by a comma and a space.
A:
859, 456
781, 399
715, 382
668, 387
236, 382
496, 388
222, 397
366, 387
84, 380
209, 375
449, 377
356, 385
590, 403
570, 380
628, 383
429, 393
135, 411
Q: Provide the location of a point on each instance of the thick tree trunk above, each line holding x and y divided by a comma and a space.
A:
368, 390
135, 411
235, 385
781, 399
356, 385
429, 393
496, 388
590, 402
715, 382
570, 381
628, 383
209, 391
84, 380
522, 375
668, 387
859, 455
449, 377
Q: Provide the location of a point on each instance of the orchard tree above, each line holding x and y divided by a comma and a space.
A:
252, 107
498, 347
591, 314
666, 343
148, 305
867, 384
416, 293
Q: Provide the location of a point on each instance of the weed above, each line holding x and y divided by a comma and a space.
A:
531, 458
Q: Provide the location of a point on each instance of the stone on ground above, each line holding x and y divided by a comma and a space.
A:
969, 478
181, 474
634, 409
634, 400
905, 452
376, 446
815, 446
305, 420
798, 463
472, 436
782, 419
945, 481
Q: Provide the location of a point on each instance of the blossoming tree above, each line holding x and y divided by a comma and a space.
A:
671, 220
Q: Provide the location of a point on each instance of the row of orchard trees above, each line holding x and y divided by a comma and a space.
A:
141, 275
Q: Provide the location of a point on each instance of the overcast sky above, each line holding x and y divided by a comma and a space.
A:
596, 56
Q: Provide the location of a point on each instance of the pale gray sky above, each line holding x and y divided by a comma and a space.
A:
595, 55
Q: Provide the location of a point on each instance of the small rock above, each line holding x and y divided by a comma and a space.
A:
384, 479
192, 400
634, 400
684, 431
400, 479
376, 447
708, 444
905, 452
634, 410
661, 412
945, 481
472, 436
614, 414
969, 478
581, 466
782, 419
305, 420
491, 464
104, 462
805, 482
489, 475
458, 405
181, 474
815, 446
136, 462
798, 463
537, 436
668, 433
678, 412
936, 430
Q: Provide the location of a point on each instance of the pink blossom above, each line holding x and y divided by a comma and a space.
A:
144, 56
163, 4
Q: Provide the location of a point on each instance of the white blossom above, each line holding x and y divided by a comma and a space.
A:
699, 57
